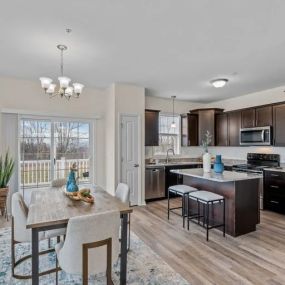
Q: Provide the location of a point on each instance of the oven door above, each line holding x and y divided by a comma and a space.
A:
256, 136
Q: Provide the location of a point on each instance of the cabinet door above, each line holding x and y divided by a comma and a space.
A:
206, 123
234, 121
184, 130
248, 118
222, 129
279, 123
189, 130
263, 116
151, 128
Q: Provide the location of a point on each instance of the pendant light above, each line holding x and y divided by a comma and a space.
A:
173, 124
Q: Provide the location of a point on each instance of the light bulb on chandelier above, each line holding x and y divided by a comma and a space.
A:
64, 89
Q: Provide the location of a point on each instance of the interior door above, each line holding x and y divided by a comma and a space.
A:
129, 155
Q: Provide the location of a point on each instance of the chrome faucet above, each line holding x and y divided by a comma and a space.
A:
167, 154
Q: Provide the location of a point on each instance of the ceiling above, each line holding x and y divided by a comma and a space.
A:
170, 47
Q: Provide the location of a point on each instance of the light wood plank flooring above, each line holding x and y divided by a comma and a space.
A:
255, 258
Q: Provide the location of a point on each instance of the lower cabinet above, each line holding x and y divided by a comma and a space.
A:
274, 191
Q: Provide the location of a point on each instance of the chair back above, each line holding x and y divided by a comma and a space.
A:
123, 192
20, 214
58, 183
90, 229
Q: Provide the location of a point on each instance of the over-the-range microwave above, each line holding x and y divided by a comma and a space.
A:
256, 136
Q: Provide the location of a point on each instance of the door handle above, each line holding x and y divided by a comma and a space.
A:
136, 165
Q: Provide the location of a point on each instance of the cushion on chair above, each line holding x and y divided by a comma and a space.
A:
205, 195
182, 189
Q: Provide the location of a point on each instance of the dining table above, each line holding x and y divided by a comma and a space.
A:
51, 209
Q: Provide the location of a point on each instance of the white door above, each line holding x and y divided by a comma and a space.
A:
129, 155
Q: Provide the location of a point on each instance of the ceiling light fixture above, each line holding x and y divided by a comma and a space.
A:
218, 83
64, 89
173, 124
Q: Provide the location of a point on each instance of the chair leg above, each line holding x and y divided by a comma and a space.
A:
168, 204
56, 273
207, 220
183, 210
224, 218
12, 249
129, 234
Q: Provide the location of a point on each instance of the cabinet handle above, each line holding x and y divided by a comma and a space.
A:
274, 186
274, 202
275, 175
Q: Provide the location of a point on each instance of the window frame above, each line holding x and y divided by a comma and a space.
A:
53, 120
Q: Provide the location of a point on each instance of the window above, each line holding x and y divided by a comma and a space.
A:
169, 137
48, 148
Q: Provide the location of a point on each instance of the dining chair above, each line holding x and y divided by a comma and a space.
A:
58, 183
20, 234
91, 245
123, 193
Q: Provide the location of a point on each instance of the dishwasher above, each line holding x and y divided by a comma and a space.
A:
154, 183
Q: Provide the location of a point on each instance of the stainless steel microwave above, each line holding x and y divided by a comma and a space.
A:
256, 136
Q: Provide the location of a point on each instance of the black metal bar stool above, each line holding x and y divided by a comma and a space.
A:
183, 191
207, 199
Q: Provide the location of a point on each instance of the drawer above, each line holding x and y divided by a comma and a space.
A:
274, 176
274, 203
274, 187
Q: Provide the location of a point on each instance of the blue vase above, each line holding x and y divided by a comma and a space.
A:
218, 165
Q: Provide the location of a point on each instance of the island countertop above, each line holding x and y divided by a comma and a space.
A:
226, 176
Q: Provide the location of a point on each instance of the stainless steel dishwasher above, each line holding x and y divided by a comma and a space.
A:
154, 182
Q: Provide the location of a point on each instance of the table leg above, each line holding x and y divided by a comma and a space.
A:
124, 241
35, 256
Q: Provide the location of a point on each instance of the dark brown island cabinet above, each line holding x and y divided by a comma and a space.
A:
151, 127
256, 117
189, 130
234, 125
279, 125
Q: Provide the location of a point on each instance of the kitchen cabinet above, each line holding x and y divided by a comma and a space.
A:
222, 129
248, 118
274, 191
206, 122
189, 130
278, 124
234, 125
263, 116
151, 127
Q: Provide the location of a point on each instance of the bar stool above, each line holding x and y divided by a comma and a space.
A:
183, 191
207, 198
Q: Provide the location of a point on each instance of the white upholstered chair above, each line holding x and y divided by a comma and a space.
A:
20, 234
123, 193
58, 183
91, 245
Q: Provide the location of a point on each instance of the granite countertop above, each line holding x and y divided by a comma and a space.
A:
227, 176
281, 169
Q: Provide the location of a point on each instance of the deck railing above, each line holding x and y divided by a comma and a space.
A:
38, 172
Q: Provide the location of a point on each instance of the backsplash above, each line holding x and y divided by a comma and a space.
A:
226, 152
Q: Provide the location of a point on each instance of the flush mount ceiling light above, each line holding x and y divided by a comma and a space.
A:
64, 89
218, 83
173, 124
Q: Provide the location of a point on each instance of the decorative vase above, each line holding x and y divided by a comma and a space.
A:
207, 162
218, 165
3, 199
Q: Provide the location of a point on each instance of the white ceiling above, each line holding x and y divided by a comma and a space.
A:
170, 47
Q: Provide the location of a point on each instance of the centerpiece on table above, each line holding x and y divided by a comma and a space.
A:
6, 170
207, 156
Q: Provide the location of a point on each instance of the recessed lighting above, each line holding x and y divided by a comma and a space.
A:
218, 83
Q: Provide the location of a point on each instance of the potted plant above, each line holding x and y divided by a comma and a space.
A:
6, 170
206, 155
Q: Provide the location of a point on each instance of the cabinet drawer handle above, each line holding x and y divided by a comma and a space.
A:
274, 202
274, 186
275, 175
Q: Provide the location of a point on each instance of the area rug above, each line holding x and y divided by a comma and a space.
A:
144, 266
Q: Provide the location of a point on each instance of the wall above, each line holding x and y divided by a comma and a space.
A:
28, 97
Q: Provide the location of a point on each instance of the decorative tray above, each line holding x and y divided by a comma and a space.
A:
83, 195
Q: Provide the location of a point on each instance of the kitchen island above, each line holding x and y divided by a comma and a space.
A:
241, 192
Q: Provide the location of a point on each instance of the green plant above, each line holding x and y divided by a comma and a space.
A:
206, 141
6, 169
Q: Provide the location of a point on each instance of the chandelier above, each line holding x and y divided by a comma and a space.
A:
64, 89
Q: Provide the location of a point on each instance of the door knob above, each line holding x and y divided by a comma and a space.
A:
136, 165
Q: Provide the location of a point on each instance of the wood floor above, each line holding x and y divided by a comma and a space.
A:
255, 258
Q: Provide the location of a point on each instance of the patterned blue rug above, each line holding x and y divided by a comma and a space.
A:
144, 266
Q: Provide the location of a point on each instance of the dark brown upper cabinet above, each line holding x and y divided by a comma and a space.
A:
263, 116
234, 125
222, 129
206, 122
151, 127
189, 130
279, 124
248, 118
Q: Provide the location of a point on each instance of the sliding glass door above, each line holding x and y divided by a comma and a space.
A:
48, 148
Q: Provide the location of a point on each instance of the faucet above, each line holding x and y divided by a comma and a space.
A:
167, 154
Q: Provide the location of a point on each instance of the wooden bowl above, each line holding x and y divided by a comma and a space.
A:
85, 198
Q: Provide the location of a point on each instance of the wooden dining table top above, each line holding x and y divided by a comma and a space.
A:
52, 207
